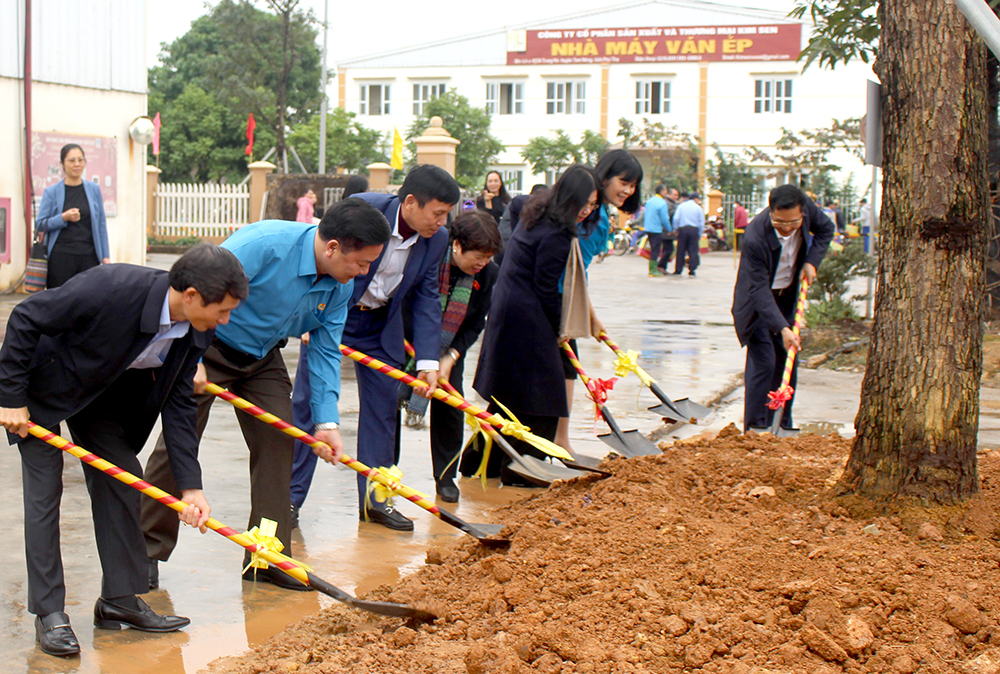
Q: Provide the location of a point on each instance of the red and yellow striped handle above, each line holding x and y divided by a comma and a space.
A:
598, 392
626, 361
777, 399
505, 426
411, 495
286, 564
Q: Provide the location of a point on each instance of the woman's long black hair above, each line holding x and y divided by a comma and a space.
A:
503, 195
622, 164
564, 201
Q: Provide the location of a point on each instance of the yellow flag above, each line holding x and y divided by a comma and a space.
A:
397, 151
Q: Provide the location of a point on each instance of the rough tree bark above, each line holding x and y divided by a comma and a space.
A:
919, 413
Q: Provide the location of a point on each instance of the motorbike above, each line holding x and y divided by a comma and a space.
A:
715, 231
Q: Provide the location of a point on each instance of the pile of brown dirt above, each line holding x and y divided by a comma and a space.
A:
724, 556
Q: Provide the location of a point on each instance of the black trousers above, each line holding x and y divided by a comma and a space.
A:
64, 266
764, 368
266, 384
447, 430
658, 242
687, 245
99, 428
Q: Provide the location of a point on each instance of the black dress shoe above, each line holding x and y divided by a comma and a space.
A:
154, 573
275, 577
295, 516
447, 490
110, 616
55, 636
387, 516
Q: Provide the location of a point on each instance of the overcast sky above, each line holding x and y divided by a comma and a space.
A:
401, 22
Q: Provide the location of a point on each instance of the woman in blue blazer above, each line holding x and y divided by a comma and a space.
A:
72, 217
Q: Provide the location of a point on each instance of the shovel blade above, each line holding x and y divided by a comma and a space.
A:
587, 463
691, 410
629, 444
378, 607
782, 432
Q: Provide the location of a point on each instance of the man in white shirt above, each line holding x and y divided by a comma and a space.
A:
782, 245
408, 267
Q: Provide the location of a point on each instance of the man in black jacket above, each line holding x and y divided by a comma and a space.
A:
108, 352
782, 245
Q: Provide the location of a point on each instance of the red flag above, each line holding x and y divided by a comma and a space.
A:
251, 125
156, 134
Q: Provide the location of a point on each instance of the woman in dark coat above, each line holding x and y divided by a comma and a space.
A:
519, 364
467, 277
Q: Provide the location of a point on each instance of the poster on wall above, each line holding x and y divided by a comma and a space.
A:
102, 164
669, 44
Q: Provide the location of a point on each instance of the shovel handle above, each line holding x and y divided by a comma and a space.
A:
286, 564
578, 366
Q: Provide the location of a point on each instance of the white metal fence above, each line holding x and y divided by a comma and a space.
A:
200, 210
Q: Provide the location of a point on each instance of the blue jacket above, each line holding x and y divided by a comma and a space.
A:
51, 209
657, 218
419, 285
689, 214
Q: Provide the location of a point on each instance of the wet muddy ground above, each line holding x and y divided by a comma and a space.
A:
683, 330
725, 556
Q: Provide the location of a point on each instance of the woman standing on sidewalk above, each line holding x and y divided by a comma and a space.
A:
72, 217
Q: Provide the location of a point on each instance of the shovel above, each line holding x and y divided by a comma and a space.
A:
287, 565
628, 443
776, 399
683, 409
482, 532
529, 467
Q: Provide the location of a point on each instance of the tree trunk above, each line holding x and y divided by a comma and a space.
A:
919, 413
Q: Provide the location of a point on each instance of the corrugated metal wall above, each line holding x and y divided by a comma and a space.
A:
98, 43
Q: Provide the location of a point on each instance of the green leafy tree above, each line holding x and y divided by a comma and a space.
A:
552, 154
556, 153
730, 173
845, 30
829, 292
673, 154
249, 60
592, 146
470, 125
806, 153
194, 136
349, 144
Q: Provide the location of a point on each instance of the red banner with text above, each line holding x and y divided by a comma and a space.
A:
778, 42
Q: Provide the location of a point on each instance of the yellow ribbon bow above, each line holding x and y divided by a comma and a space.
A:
628, 361
265, 540
477, 429
516, 429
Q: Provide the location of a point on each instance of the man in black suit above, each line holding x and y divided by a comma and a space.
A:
108, 352
782, 245
409, 265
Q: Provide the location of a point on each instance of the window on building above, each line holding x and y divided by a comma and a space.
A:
566, 98
505, 98
513, 180
772, 96
423, 93
652, 98
374, 99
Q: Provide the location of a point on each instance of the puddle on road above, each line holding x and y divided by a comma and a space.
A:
821, 428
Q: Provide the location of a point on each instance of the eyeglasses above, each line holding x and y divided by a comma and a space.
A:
76, 160
786, 223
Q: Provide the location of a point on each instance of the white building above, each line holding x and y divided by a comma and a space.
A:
88, 82
728, 77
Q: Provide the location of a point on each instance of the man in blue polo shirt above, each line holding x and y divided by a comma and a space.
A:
689, 223
301, 280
